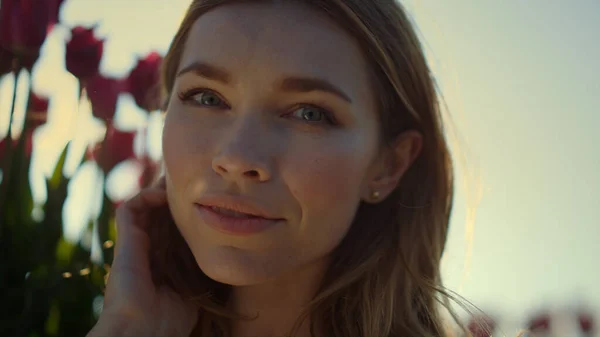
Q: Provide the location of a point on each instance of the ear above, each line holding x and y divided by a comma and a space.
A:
391, 165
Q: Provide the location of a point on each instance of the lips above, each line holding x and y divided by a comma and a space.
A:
237, 206
235, 215
231, 213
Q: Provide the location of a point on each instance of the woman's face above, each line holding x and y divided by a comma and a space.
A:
271, 114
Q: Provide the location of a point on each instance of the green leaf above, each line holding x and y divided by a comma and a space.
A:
18, 198
53, 321
57, 175
25, 197
112, 229
50, 231
64, 252
97, 275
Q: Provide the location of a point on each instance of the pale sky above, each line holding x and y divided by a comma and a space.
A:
520, 79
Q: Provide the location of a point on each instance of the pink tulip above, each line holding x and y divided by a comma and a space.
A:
540, 323
38, 103
586, 323
481, 326
103, 93
144, 82
24, 25
38, 110
6, 59
117, 147
83, 53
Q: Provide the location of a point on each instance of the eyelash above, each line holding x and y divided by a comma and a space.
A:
186, 97
327, 114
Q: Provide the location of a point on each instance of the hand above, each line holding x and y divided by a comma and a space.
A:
133, 306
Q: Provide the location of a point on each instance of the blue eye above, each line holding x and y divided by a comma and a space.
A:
310, 114
202, 97
207, 98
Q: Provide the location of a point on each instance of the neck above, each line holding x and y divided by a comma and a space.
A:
276, 305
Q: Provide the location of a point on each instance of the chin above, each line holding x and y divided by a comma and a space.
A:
235, 267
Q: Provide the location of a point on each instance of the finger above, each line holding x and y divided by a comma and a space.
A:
161, 182
147, 198
132, 242
132, 219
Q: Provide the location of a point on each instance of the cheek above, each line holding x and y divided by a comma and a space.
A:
185, 144
185, 153
324, 178
326, 183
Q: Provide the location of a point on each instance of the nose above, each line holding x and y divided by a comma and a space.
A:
242, 158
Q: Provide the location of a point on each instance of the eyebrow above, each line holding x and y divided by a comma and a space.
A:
289, 84
208, 71
301, 84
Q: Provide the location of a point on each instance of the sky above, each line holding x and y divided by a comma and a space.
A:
520, 83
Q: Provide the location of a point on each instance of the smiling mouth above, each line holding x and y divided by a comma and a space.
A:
234, 222
233, 214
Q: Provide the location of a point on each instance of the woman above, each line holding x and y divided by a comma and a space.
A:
307, 186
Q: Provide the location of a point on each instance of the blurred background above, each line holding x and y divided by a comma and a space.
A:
520, 83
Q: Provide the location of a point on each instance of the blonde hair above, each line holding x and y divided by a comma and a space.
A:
385, 276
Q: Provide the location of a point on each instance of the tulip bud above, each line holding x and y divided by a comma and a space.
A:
117, 147
24, 25
83, 53
144, 82
37, 111
103, 93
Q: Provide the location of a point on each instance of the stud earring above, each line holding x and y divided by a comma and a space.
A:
375, 195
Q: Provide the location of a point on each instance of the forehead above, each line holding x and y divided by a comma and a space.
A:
278, 39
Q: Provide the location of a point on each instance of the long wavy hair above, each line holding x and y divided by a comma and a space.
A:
385, 276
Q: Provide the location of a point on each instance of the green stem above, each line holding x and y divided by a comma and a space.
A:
75, 120
12, 104
103, 229
107, 209
7, 160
